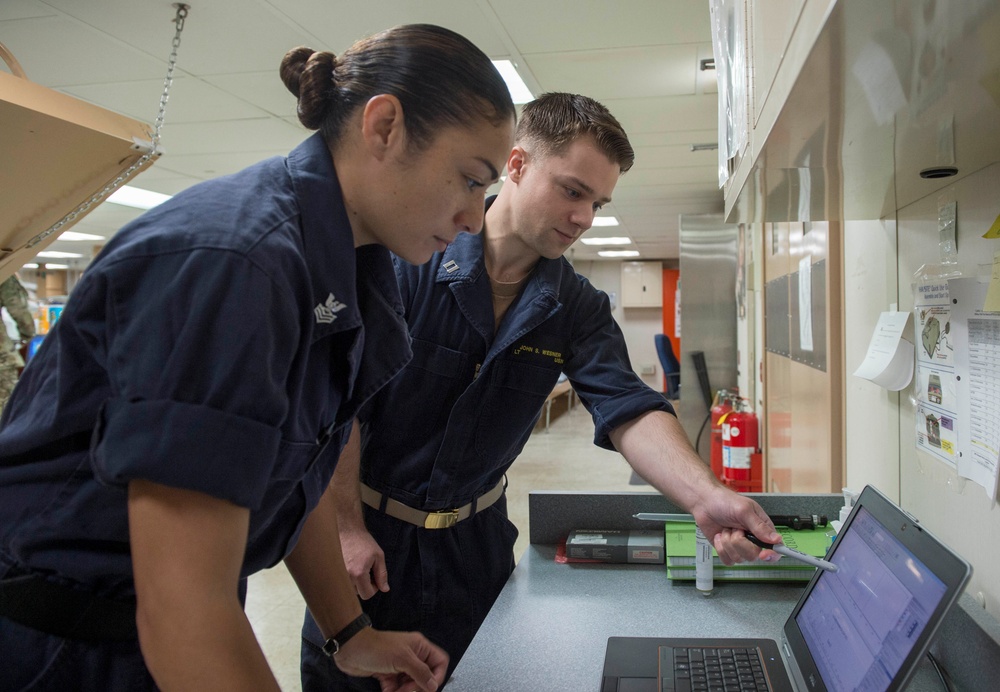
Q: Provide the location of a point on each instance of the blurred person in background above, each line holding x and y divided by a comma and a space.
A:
13, 299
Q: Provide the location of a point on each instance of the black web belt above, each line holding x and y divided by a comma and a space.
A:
40, 604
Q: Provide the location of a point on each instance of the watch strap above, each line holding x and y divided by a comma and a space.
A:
333, 644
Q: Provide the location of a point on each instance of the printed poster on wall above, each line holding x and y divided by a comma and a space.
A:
977, 362
935, 384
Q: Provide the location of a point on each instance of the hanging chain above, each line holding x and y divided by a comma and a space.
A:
153, 150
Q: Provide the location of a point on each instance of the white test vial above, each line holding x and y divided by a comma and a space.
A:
703, 566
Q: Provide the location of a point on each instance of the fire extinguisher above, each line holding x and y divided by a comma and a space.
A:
722, 405
739, 442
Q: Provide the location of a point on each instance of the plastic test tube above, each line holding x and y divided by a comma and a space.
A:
703, 567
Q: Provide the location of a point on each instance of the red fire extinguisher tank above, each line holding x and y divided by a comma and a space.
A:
723, 404
739, 441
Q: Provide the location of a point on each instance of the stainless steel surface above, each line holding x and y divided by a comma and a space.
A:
866, 97
708, 316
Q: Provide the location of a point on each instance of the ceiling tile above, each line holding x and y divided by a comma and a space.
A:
205, 166
665, 113
677, 156
568, 25
55, 51
261, 134
190, 100
220, 36
619, 73
678, 137
338, 26
23, 9
265, 90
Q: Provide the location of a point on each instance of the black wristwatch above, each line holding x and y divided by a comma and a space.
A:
334, 643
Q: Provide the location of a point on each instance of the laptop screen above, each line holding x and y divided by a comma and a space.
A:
862, 622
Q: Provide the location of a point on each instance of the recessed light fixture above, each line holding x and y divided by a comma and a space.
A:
58, 255
618, 253
604, 221
137, 198
56, 266
519, 91
29, 265
73, 235
615, 240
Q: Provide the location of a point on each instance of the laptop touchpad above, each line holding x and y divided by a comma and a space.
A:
636, 684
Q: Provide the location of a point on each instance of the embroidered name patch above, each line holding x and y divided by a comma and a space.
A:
535, 352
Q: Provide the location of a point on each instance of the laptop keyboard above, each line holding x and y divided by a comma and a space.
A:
714, 670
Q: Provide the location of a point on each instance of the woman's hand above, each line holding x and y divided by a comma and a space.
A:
401, 661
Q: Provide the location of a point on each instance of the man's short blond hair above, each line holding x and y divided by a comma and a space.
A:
553, 121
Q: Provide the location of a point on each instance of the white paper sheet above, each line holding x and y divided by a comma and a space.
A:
977, 364
805, 304
889, 361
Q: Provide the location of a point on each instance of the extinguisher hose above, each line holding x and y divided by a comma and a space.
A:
697, 440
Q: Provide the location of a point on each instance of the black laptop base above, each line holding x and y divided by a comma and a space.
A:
632, 663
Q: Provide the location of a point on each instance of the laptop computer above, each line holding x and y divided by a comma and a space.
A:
864, 627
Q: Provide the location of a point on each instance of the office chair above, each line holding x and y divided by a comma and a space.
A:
671, 367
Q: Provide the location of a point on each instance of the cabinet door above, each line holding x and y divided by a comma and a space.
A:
642, 284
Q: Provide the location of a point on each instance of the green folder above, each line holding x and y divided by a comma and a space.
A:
680, 551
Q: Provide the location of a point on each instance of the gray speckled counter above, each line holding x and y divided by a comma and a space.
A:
549, 628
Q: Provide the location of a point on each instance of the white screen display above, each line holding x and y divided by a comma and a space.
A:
861, 622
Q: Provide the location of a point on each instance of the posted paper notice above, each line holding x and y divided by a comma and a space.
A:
977, 361
937, 400
889, 361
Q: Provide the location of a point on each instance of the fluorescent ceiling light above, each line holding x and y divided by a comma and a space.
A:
29, 265
58, 254
614, 240
605, 221
129, 196
519, 91
73, 235
57, 266
618, 253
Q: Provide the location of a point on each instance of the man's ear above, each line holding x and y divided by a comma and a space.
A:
515, 163
383, 129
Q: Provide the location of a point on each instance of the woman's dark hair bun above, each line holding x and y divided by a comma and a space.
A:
308, 74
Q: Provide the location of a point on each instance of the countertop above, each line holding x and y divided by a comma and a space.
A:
549, 628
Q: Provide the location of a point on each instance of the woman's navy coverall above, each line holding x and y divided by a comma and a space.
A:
222, 342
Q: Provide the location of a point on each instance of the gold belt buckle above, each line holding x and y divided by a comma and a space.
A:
443, 519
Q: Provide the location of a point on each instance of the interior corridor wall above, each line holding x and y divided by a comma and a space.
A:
880, 259
871, 413
639, 325
953, 508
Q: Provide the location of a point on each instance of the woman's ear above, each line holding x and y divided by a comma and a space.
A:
383, 129
515, 164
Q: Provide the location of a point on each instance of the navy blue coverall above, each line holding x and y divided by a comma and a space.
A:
223, 342
446, 429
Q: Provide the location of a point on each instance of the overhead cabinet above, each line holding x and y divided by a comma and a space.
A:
642, 285
851, 109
